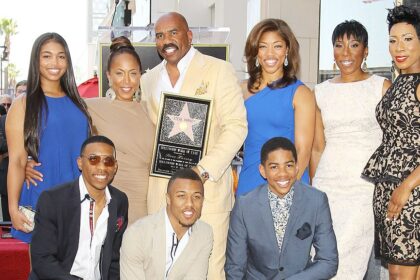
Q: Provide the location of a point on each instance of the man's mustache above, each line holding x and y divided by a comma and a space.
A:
171, 45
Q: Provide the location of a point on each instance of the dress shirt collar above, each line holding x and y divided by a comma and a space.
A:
84, 191
184, 62
280, 210
174, 247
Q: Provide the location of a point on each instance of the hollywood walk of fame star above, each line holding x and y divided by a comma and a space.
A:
183, 123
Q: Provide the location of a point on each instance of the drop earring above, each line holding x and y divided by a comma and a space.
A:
286, 61
334, 66
257, 63
364, 66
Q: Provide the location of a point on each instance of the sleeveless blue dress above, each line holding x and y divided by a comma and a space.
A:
270, 114
62, 134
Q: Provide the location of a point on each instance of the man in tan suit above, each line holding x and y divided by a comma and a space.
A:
170, 244
186, 71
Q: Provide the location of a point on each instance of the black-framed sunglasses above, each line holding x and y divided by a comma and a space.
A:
6, 105
108, 161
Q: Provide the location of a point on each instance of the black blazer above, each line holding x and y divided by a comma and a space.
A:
56, 234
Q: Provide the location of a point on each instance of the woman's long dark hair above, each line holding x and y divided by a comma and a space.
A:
36, 104
251, 52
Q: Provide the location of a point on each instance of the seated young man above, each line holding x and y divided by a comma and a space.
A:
171, 244
273, 227
79, 225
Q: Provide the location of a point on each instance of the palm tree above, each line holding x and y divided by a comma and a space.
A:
8, 27
12, 73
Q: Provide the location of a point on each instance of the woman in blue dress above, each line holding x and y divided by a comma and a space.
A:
277, 103
47, 124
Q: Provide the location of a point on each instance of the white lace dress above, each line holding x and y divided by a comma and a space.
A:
352, 134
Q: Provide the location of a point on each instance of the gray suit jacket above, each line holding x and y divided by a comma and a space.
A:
143, 253
252, 251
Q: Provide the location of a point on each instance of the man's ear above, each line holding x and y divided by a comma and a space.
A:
262, 171
79, 163
115, 167
190, 36
168, 200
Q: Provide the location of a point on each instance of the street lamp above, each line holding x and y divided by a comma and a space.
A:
4, 57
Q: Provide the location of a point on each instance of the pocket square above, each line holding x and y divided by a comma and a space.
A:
202, 89
304, 232
120, 222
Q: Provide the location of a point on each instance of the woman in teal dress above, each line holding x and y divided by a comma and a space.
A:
48, 124
277, 103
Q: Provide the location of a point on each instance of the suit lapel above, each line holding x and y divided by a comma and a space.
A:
153, 106
159, 245
295, 213
73, 218
195, 70
267, 217
181, 264
112, 223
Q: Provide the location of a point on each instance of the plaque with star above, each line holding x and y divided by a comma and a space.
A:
181, 134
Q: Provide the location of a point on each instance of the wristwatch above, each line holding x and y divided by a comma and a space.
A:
203, 173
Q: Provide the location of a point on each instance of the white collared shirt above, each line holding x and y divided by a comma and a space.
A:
164, 85
86, 262
174, 247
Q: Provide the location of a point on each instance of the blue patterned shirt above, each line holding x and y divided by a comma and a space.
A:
280, 210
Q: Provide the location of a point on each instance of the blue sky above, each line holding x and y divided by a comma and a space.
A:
65, 17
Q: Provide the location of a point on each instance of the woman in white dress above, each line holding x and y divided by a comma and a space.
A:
346, 134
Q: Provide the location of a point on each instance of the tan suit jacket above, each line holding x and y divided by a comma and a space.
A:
215, 79
143, 253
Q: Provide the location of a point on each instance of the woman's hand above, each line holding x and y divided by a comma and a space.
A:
19, 220
31, 174
398, 200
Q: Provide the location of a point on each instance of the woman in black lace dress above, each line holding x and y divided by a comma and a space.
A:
395, 166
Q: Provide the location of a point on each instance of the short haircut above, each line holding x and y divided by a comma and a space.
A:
186, 173
404, 14
21, 83
277, 143
350, 28
5, 97
96, 139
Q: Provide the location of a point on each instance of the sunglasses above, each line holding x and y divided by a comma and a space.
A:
108, 161
6, 104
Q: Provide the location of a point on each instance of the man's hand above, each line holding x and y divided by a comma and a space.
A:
196, 170
31, 174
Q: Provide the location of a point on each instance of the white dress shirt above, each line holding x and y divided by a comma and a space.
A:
174, 247
165, 84
86, 262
